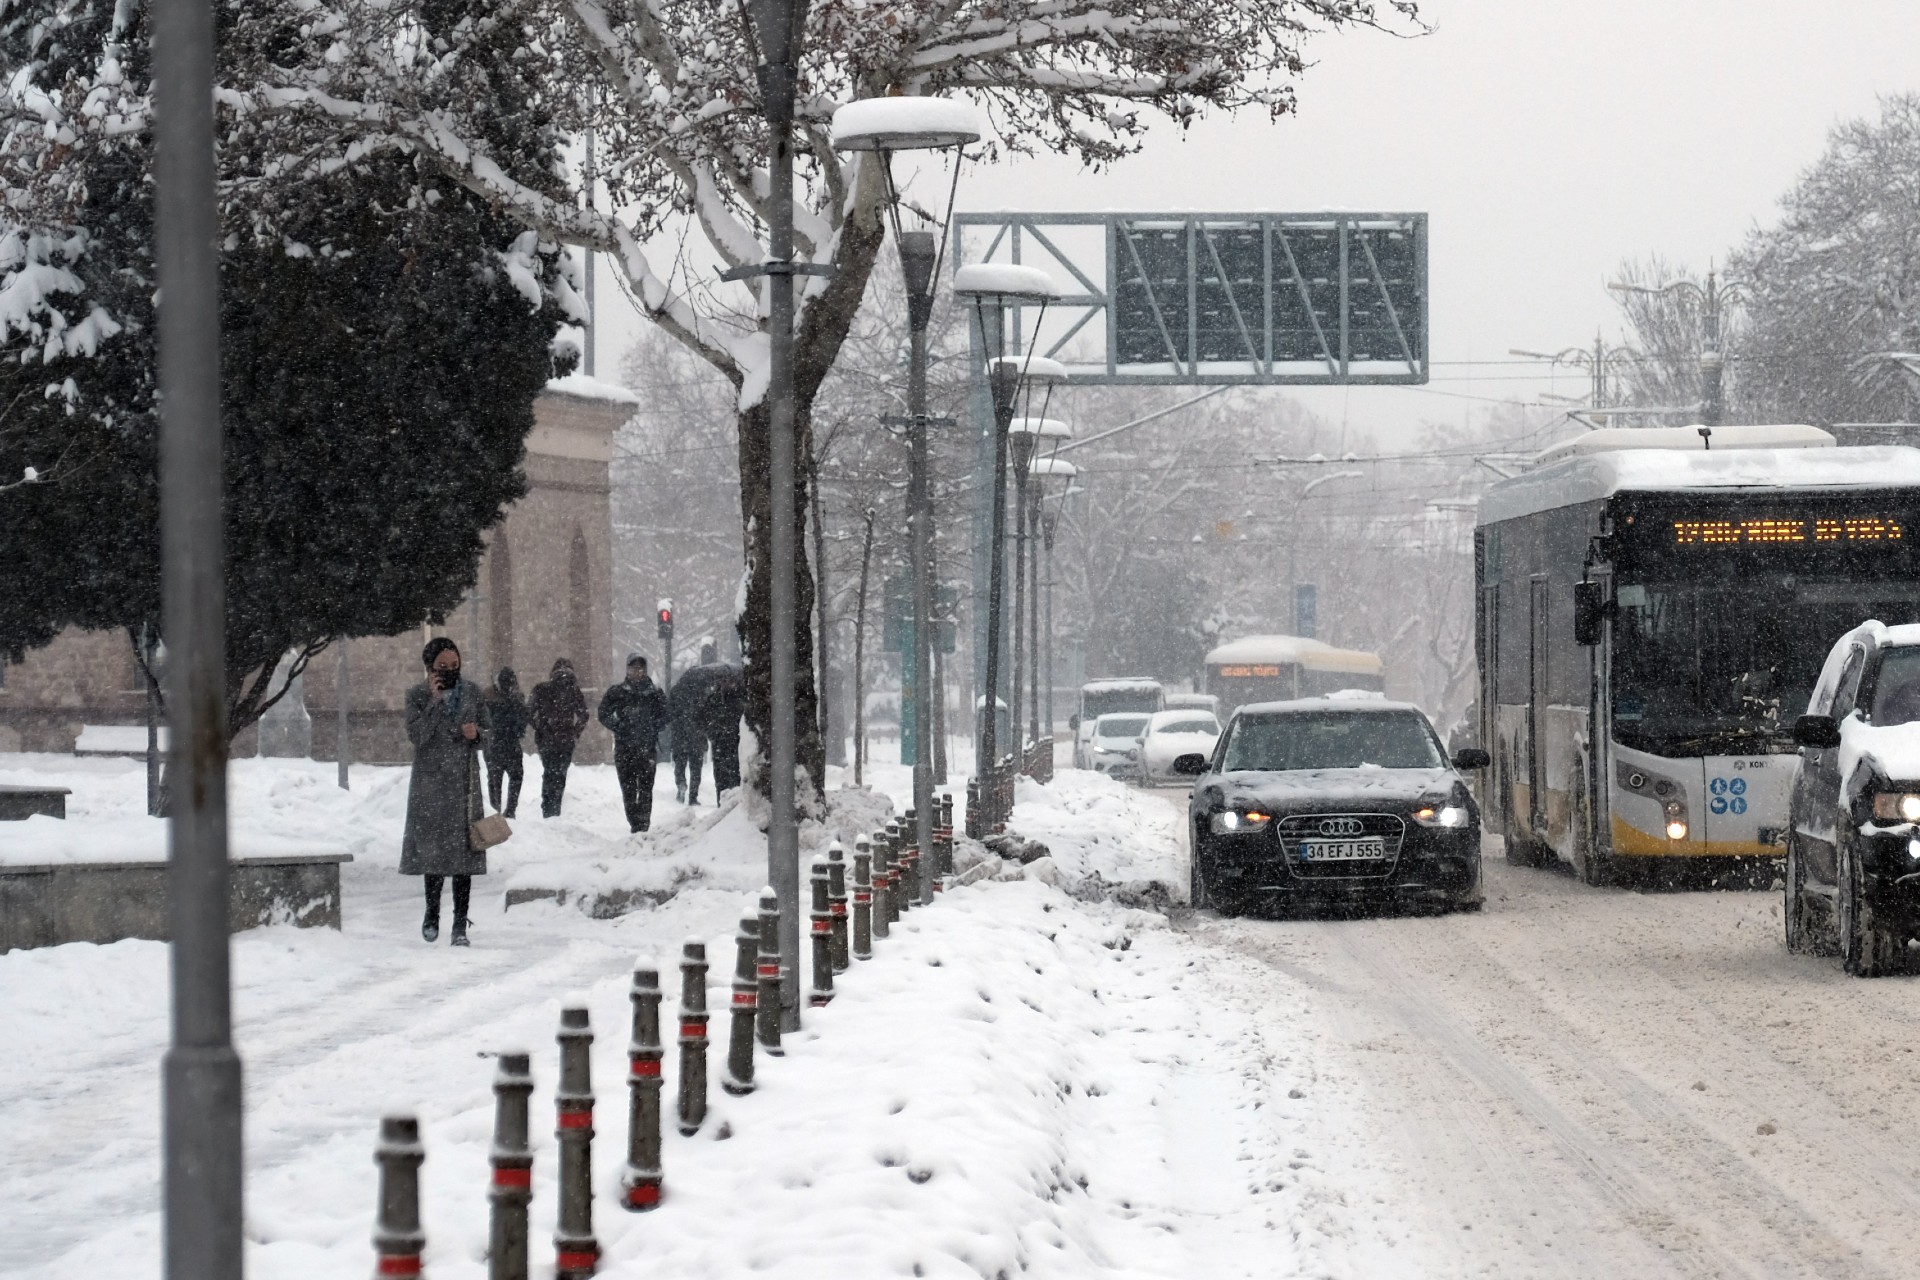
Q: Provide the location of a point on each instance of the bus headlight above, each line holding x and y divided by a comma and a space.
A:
1676, 820
1896, 806
1235, 822
1676, 830
1446, 815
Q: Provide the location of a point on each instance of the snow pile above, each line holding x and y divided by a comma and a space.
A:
585, 388
1102, 837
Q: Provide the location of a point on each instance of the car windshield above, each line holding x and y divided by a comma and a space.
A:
1188, 726
1333, 740
1896, 690
1121, 726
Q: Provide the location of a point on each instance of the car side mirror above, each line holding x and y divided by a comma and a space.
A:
1470, 758
1816, 731
1190, 765
1589, 609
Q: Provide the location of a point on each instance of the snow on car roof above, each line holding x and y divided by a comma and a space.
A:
1359, 706
1587, 477
1183, 715
1315, 655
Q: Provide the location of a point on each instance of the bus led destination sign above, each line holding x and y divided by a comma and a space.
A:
1775, 530
1250, 669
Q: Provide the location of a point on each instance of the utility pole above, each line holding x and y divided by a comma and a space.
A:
200, 1096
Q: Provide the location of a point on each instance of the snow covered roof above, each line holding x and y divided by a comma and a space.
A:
1585, 477
1112, 683
1314, 655
905, 124
1005, 280
1776, 435
1047, 428
580, 385
1035, 369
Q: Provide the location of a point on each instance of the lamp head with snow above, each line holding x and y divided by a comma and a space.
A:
1035, 371
905, 124
1045, 428
1005, 284
1053, 469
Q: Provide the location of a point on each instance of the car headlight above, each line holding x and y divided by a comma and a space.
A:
1896, 806
1234, 822
1445, 815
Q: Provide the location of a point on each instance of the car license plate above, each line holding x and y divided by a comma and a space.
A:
1342, 850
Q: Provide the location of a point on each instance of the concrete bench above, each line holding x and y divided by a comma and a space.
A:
18, 803
46, 904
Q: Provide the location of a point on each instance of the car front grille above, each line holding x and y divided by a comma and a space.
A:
1389, 829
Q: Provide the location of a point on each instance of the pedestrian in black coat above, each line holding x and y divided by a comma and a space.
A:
507, 725
559, 713
635, 711
688, 705
726, 703
445, 718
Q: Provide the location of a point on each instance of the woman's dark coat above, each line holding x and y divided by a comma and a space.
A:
443, 794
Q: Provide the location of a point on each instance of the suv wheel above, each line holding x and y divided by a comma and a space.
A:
1809, 928
1866, 949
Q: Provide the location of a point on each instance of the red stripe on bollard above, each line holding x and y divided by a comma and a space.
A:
649, 1067
838, 908
644, 1195
578, 1260
768, 970
745, 999
823, 928
391, 1265
513, 1177
693, 1031
576, 1119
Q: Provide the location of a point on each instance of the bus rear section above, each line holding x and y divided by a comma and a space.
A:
1277, 668
1109, 696
1651, 622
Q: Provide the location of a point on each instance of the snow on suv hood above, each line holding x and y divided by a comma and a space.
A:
1368, 786
1891, 750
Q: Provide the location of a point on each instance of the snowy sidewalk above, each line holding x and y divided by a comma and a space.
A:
1022, 1081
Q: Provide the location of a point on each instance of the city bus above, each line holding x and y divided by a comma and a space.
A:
1275, 668
1653, 609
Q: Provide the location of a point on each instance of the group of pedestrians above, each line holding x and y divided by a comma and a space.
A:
453, 725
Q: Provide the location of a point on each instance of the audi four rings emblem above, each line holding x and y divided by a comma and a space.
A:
1340, 826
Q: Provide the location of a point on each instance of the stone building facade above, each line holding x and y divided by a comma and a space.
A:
545, 591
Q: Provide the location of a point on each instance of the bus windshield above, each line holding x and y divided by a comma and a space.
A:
1095, 703
1724, 667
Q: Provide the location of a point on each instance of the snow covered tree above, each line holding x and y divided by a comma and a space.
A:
1833, 291
384, 336
670, 90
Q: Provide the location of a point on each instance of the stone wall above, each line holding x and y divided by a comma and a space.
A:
545, 591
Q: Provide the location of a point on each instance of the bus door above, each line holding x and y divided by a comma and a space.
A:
1598, 766
1494, 799
1537, 706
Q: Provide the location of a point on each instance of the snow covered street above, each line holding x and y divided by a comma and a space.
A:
1043, 1075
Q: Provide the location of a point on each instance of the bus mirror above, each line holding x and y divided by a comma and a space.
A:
1190, 765
1589, 607
1469, 758
1816, 731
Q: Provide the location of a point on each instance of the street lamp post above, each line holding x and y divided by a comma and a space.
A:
1044, 470
1047, 432
886, 125
1712, 362
1022, 440
1596, 361
996, 287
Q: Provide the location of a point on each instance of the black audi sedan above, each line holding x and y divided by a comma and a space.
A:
1326, 801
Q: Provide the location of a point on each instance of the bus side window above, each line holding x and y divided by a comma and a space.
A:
1847, 689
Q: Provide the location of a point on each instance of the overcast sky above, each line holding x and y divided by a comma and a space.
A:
1547, 139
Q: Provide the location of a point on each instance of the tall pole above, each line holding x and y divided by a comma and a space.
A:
1047, 521
779, 22
917, 252
1005, 381
200, 1099
1016, 722
1713, 405
1033, 614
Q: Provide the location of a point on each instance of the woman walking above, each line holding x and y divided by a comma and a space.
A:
445, 717
506, 726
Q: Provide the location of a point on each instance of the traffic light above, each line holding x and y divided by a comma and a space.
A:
666, 619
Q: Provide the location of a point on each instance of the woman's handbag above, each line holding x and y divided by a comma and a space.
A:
489, 829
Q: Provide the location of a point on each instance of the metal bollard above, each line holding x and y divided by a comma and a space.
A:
882, 886
398, 1240
837, 904
746, 998
821, 919
862, 900
910, 857
943, 842
512, 1162
641, 1181
896, 875
767, 1014
973, 810
577, 1253
693, 1036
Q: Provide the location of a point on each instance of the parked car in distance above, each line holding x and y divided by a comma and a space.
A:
1170, 735
1114, 745
1853, 821
1107, 696
1323, 801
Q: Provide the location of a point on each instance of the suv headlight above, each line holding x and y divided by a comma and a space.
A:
1896, 806
1233, 822
1443, 815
